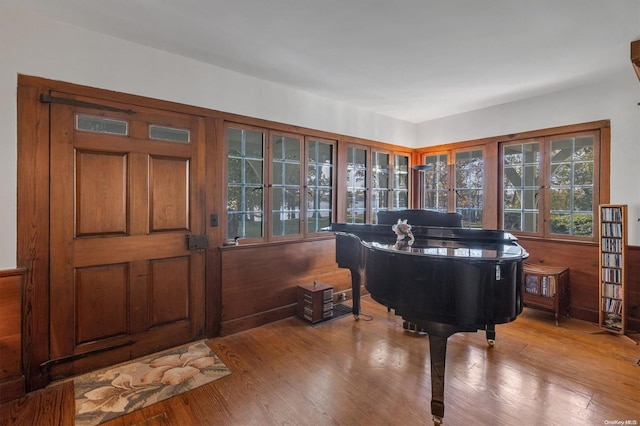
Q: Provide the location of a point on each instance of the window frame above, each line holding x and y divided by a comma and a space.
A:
451, 187
493, 206
545, 188
271, 186
449, 205
244, 127
334, 190
394, 178
366, 209
458, 190
370, 211
268, 179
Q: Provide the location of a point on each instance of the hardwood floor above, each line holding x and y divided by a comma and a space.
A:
349, 372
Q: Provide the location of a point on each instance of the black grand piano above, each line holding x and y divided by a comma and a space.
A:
443, 280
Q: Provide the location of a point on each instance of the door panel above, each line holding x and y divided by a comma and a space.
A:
124, 196
169, 290
101, 193
101, 292
168, 188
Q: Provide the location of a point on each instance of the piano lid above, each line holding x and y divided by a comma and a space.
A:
436, 248
427, 232
438, 242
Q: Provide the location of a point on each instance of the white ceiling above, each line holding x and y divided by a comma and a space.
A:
414, 60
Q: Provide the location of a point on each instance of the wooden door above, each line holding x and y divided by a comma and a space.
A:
126, 190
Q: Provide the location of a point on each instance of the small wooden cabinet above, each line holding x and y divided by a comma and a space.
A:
315, 301
547, 288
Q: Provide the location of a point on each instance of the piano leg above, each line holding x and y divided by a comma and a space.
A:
355, 293
438, 335
438, 351
490, 330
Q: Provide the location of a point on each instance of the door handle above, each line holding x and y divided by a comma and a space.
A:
197, 242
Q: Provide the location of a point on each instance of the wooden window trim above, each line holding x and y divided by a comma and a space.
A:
493, 207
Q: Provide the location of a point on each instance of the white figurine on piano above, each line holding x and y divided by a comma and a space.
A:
403, 231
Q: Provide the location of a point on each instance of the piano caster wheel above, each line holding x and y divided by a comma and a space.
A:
356, 317
437, 420
491, 342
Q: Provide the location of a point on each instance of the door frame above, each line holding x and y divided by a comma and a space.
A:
33, 180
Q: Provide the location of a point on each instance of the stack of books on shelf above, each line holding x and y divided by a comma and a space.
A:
612, 277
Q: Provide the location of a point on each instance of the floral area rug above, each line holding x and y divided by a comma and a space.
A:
115, 391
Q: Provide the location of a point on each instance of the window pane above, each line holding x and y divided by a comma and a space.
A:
583, 199
520, 178
234, 199
286, 185
89, 123
234, 143
400, 183
170, 134
469, 180
561, 174
401, 200
512, 199
234, 167
253, 171
512, 221
356, 184
561, 199
583, 173
436, 183
291, 174
254, 144
245, 183
319, 204
286, 214
380, 192
572, 180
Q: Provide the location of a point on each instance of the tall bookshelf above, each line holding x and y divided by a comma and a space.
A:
613, 248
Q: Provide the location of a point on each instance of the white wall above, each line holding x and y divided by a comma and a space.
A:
40, 47
615, 98
35, 46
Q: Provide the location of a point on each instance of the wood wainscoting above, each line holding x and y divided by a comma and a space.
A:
12, 383
259, 282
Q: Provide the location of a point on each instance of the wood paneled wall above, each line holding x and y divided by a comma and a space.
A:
12, 383
582, 260
259, 282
